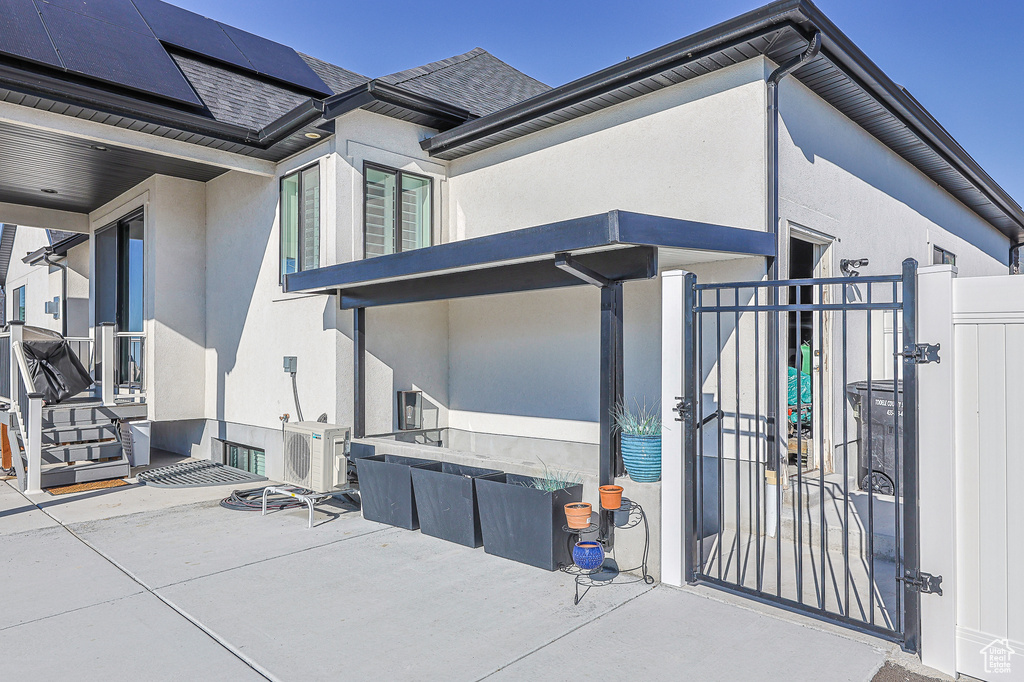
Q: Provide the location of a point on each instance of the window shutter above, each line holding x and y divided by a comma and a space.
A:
311, 218
380, 212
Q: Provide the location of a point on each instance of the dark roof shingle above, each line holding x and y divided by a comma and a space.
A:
476, 81
337, 79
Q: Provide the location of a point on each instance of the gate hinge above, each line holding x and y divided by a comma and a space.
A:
921, 354
925, 583
682, 408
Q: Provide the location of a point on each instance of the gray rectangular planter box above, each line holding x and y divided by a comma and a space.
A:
524, 524
385, 488
446, 502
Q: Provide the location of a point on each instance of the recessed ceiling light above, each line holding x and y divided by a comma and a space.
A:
48, 191
313, 136
98, 147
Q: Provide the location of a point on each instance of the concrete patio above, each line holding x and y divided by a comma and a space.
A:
156, 584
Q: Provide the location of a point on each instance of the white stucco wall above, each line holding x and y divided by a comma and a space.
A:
693, 151
174, 307
35, 279
837, 179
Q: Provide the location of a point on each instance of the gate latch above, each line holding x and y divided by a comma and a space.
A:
683, 408
925, 583
921, 354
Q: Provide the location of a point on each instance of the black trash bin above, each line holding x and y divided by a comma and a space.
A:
876, 461
446, 502
385, 488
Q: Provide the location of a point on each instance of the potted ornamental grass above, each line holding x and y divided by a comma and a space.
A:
639, 429
522, 517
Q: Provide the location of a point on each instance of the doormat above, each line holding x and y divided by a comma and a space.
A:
84, 487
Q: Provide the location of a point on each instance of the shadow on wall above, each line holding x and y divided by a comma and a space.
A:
816, 137
236, 247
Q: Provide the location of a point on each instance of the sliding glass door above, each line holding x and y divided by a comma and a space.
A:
120, 292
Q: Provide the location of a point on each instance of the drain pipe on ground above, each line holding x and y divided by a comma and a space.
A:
775, 426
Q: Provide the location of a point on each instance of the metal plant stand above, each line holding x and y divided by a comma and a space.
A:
608, 572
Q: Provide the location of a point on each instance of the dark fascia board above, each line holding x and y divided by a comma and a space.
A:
61, 248
851, 59
633, 263
802, 14
376, 91
633, 69
604, 230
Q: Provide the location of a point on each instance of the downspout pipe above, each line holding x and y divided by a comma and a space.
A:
63, 291
775, 424
772, 213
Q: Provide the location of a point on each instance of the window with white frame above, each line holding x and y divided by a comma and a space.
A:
397, 210
300, 221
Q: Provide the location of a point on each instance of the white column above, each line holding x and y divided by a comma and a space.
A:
937, 465
17, 334
33, 443
673, 503
107, 359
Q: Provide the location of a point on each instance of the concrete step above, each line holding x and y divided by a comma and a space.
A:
62, 474
81, 452
85, 414
79, 434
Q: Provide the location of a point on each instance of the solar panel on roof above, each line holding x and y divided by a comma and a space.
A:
118, 12
22, 33
114, 54
191, 31
276, 60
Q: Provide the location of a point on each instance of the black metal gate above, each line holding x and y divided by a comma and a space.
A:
800, 446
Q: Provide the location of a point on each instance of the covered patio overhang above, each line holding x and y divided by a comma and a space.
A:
602, 250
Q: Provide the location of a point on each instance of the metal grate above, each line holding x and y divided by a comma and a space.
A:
196, 475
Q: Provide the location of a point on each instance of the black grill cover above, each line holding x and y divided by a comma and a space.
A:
56, 371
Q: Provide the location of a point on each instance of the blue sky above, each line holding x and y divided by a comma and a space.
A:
961, 60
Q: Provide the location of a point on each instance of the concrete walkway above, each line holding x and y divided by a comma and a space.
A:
152, 589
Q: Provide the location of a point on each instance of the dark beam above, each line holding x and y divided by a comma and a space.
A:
566, 263
639, 262
359, 373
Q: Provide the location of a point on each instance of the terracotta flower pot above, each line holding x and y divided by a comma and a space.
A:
611, 496
577, 514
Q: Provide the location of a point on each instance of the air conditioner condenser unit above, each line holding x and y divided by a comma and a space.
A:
314, 455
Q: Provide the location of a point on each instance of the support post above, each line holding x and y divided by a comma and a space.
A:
33, 443
107, 373
937, 490
911, 497
359, 373
17, 336
611, 389
673, 385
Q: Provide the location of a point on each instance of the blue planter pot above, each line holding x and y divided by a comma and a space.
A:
642, 457
588, 555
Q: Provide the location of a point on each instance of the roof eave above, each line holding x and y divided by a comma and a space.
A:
446, 115
806, 18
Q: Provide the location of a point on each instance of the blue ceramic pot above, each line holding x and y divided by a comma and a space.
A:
642, 457
588, 555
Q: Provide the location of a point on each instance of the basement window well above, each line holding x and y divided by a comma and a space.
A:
245, 458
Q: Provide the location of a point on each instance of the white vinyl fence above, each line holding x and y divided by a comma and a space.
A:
972, 473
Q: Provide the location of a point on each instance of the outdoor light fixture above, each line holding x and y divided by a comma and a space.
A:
313, 136
98, 147
48, 191
849, 267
